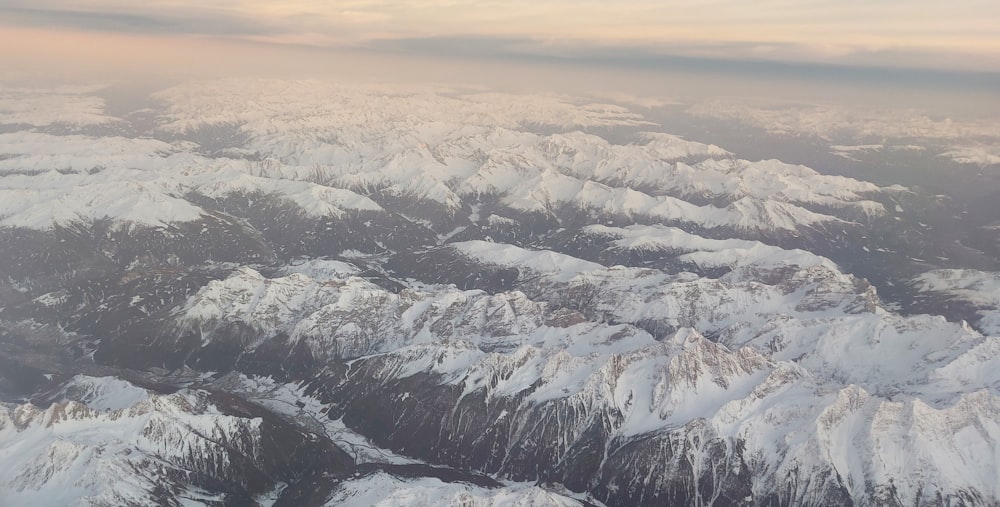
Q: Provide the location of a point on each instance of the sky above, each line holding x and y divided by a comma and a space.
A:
904, 40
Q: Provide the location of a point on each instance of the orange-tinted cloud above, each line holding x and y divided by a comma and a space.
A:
959, 33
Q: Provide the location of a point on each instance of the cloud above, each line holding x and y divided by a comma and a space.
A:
136, 23
920, 33
773, 60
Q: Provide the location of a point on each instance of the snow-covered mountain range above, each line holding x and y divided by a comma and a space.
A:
444, 296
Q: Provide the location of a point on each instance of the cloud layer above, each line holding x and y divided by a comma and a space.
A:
923, 33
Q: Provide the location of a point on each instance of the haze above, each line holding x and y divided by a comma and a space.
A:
847, 48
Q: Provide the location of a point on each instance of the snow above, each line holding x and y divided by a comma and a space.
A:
142, 202
322, 270
40, 107
538, 261
269, 305
314, 200
815, 316
851, 152
981, 155
895, 127
37, 153
813, 378
104, 393
829, 121
72, 453
796, 365
292, 401
980, 288
327, 146
383, 490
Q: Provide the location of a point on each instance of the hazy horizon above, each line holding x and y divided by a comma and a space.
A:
927, 55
